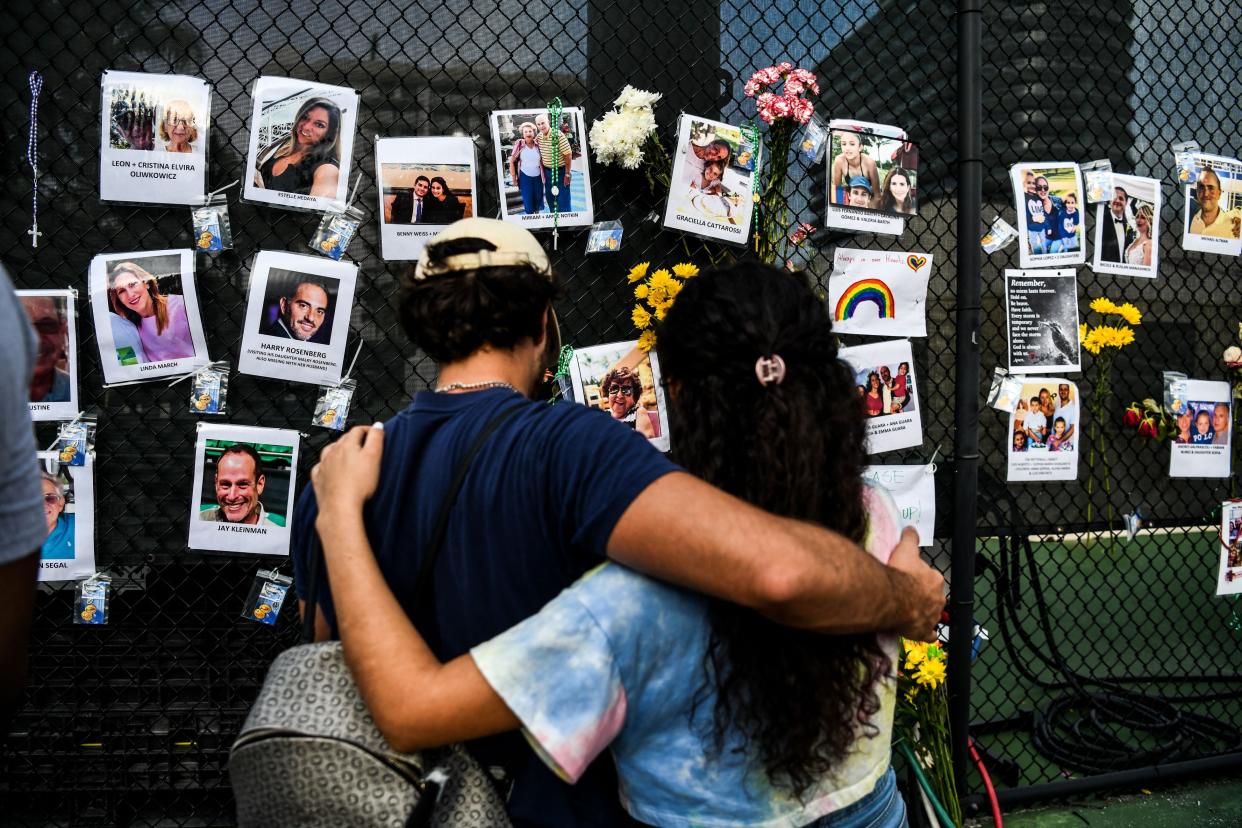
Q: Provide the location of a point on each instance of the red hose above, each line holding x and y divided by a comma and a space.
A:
987, 783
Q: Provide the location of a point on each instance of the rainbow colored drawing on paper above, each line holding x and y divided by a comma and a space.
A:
875, 291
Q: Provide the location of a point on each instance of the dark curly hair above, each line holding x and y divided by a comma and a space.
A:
451, 316
795, 449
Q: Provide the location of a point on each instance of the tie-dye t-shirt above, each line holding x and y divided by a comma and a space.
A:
616, 660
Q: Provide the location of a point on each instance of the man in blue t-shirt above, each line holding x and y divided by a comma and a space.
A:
538, 508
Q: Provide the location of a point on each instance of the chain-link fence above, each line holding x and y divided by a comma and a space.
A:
130, 723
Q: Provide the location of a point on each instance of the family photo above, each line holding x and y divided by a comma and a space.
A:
1127, 228
243, 489
146, 312
542, 167
1044, 431
54, 383
713, 172
884, 377
623, 382
870, 171
301, 141
153, 138
1200, 447
1050, 205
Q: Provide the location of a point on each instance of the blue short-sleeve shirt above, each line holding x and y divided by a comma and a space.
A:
535, 512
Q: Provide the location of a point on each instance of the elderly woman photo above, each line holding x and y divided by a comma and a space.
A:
60, 524
622, 390
177, 129
307, 160
160, 321
526, 169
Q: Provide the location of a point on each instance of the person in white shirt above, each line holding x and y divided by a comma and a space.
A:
1211, 220
1036, 423
1067, 408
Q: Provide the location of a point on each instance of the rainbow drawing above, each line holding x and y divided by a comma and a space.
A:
865, 290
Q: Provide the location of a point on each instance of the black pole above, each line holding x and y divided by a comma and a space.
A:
966, 408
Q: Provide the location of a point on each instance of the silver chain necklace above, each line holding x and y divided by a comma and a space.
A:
475, 386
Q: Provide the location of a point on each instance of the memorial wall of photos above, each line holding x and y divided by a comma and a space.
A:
145, 304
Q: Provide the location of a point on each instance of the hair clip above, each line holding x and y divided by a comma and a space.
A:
770, 370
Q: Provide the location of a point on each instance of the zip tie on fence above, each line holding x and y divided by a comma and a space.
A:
352, 362
32, 155
354, 193
217, 192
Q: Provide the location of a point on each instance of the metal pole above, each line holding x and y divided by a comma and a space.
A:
966, 408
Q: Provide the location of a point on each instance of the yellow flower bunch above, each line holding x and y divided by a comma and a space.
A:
1095, 339
655, 294
924, 664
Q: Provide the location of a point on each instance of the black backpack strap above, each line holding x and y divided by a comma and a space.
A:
423, 582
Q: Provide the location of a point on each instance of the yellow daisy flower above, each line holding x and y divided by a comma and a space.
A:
640, 291
640, 317
1103, 305
647, 341
638, 271
1130, 313
930, 673
685, 270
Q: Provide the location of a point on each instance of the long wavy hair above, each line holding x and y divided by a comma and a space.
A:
329, 149
159, 302
799, 699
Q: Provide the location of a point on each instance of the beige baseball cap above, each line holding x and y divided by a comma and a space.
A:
514, 246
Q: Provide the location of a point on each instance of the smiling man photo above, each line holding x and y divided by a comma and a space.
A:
239, 483
301, 313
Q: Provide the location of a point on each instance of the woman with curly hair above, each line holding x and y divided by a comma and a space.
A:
714, 714
622, 389
308, 159
160, 319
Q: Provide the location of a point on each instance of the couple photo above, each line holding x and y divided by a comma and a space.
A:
1127, 233
431, 194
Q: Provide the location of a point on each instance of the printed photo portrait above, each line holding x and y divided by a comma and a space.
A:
542, 166
424, 185
871, 177
297, 317
1050, 204
146, 313
870, 171
623, 382
301, 143
1044, 431
887, 391
1229, 577
153, 138
1204, 419
54, 384
1041, 307
68, 551
1212, 220
879, 293
711, 192
1127, 228
243, 489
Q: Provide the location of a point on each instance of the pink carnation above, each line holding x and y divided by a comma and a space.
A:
793, 87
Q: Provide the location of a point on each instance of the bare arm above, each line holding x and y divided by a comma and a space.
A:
325, 181
416, 700
793, 572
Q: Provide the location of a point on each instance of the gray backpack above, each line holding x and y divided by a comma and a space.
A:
310, 754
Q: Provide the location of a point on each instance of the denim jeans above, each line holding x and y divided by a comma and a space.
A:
882, 808
562, 197
531, 187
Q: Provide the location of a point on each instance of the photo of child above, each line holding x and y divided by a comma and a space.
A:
1043, 431
713, 172
1050, 225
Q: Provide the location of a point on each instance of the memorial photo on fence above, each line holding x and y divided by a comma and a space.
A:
624, 382
885, 379
542, 166
711, 191
1044, 431
1041, 307
424, 185
1050, 206
297, 317
1127, 228
54, 383
1229, 575
154, 137
1203, 417
872, 171
1212, 217
68, 551
301, 141
243, 489
146, 313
